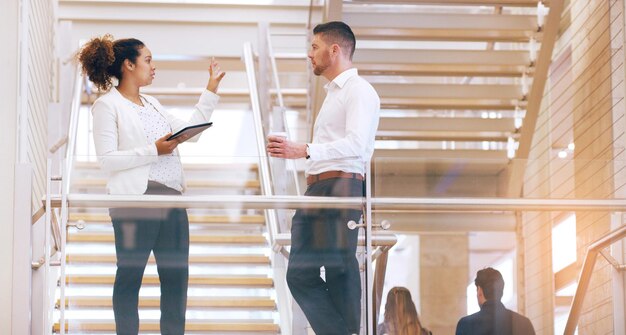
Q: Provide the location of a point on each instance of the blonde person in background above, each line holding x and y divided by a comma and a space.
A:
130, 133
401, 315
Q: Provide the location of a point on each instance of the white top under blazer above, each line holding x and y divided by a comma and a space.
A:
167, 170
121, 144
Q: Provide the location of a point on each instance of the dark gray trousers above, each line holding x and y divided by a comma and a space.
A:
138, 231
320, 237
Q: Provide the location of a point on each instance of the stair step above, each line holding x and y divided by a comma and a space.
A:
409, 25
187, 167
248, 184
217, 326
205, 280
430, 103
192, 302
193, 259
509, 3
194, 219
212, 239
417, 62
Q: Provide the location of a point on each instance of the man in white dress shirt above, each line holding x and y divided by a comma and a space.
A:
343, 142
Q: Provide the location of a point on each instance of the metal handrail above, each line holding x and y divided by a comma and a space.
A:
270, 52
585, 275
498, 204
271, 217
281, 102
73, 128
264, 173
61, 142
38, 214
295, 202
67, 167
379, 239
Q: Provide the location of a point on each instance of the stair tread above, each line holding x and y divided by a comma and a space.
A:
195, 166
433, 103
224, 302
194, 259
212, 280
424, 34
194, 238
149, 325
196, 219
224, 183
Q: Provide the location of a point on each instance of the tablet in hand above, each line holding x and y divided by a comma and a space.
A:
191, 131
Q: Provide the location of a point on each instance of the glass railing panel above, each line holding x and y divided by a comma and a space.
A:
532, 220
229, 268
436, 256
237, 265
445, 173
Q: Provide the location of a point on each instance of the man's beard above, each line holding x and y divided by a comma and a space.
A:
319, 69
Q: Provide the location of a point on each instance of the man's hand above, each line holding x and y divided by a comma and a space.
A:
165, 147
280, 147
216, 76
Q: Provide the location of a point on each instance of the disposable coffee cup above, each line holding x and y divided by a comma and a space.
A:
277, 134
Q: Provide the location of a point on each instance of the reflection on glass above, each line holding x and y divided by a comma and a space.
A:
564, 243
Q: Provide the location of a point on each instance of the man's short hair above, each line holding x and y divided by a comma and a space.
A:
491, 282
337, 32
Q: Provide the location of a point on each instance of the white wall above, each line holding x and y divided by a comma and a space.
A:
8, 138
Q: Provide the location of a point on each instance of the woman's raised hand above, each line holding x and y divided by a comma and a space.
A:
216, 76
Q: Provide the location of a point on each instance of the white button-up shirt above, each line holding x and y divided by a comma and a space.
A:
345, 128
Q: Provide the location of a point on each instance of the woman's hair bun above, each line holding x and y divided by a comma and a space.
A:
96, 57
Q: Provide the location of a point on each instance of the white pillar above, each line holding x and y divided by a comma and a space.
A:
9, 14
444, 262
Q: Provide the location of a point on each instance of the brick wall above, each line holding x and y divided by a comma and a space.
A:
583, 104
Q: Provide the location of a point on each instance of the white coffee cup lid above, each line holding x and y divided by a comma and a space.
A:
278, 133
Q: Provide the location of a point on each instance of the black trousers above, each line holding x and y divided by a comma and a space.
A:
320, 237
138, 231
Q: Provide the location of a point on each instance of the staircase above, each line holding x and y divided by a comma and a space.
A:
230, 285
458, 81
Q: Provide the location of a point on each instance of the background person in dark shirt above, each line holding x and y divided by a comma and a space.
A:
493, 318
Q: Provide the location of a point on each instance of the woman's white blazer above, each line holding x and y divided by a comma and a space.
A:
121, 144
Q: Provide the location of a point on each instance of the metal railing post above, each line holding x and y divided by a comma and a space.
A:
368, 250
64, 218
47, 326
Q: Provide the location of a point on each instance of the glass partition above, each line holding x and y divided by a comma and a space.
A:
240, 243
435, 222
431, 232
532, 220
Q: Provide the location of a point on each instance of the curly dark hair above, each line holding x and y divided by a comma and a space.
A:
102, 58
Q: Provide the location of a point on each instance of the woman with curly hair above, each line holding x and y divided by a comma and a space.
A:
131, 133
400, 315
